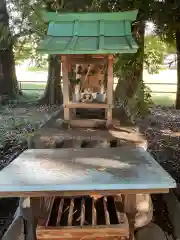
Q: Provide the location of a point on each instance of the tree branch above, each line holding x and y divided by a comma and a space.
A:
23, 33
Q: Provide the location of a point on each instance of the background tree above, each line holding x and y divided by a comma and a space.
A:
155, 52
18, 20
167, 23
8, 80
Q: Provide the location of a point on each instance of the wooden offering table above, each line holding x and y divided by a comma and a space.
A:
74, 193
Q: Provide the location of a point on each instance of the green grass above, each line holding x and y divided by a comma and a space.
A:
168, 80
35, 87
36, 69
32, 91
164, 99
168, 76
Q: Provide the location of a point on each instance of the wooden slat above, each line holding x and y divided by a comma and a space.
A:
47, 202
106, 211
60, 212
80, 193
88, 61
65, 87
110, 90
94, 214
50, 210
118, 214
82, 212
70, 216
87, 232
85, 56
87, 105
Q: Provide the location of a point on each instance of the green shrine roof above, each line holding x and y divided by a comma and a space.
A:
89, 33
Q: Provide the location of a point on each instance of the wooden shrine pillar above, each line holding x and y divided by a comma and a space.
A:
110, 81
65, 87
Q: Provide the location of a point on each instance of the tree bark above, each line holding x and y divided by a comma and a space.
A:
178, 69
8, 80
132, 76
53, 91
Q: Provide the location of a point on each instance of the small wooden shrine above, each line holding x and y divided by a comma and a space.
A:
86, 43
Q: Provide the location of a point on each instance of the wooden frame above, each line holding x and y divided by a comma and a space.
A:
110, 90
80, 193
120, 228
66, 60
65, 87
87, 105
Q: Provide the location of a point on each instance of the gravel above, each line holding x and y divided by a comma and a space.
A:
162, 130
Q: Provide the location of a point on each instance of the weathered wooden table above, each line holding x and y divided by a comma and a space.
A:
81, 172
76, 171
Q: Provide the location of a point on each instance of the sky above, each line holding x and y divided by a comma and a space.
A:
149, 28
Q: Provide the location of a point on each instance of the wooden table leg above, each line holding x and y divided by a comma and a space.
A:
130, 210
30, 210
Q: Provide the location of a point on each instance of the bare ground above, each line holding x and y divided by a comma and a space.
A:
161, 127
16, 124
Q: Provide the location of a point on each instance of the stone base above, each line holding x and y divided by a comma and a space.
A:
144, 208
150, 232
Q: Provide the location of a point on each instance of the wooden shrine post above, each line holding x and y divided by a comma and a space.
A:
65, 88
110, 81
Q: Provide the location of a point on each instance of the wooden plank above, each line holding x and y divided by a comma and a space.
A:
130, 204
47, 203
50, 210
110, 90
106, 211
80, 193
87, 105
82, 221
94, 214
60, 212
87, 61
118, 201
65, 87
86, 56
88, 232
71, 209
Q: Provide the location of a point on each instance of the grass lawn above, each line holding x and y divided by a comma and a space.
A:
165, 92
159, 91
36, 69
33, 89
164, 99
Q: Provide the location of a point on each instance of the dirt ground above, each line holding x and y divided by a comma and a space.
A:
162, 130
17, 121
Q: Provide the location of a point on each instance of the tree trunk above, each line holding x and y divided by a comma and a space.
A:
8, 80
132, 76
178, 69
53, 91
